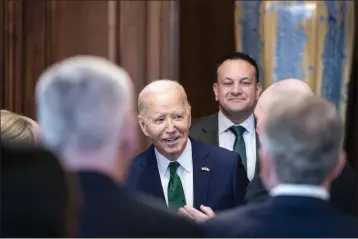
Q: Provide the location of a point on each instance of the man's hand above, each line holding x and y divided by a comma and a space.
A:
204, 214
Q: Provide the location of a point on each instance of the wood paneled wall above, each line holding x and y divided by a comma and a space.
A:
141, 36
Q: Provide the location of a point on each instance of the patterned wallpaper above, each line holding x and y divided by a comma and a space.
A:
308, 40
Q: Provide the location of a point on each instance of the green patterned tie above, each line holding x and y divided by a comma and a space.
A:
239, 145
176, 197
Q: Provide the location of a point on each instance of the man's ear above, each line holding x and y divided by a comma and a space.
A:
215, 89
341, 162
267, 173
189, 115
143, 125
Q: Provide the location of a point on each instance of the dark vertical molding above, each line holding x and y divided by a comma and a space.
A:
3, 22
351, 136
22, 82
175, 11
14, 58
48, 33
143, 42
118, 49
169, 40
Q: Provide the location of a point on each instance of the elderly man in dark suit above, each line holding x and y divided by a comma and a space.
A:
298, 179
177, 169
344, 188
86, 115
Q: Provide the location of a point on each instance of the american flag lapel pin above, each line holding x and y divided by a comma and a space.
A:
205, 169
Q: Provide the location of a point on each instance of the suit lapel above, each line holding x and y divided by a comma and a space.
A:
201, 178
210, 130
150, 182
257, 166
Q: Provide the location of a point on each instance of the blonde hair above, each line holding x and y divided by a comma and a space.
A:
18, 129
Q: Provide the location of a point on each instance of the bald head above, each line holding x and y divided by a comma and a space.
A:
159, 88
288, 88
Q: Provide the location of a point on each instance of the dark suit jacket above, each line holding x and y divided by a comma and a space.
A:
223, 187
284, 216
344, 192
34, 194
111, 211
206, 129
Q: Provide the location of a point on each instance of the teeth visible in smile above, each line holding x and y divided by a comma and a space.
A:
171, 140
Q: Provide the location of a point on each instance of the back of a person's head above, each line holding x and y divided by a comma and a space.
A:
17, 129
82, 104
34, 194
276, 93
304, 138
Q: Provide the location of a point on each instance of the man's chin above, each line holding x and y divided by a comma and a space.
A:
237, 111
173, 153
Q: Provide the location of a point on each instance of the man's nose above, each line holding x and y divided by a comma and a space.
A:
236, 88
170, 126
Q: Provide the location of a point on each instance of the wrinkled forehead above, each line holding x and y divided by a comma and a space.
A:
164, 102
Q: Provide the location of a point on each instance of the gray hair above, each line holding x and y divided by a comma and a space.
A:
304, 138
18, 129
82, 103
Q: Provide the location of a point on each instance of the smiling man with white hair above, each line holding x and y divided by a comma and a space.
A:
86, 115
177, 169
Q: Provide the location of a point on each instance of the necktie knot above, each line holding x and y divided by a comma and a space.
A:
173, 166
238, 130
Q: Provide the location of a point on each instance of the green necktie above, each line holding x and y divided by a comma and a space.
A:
239, 145
176, 197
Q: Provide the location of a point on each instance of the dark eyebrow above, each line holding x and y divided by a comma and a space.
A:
243, 78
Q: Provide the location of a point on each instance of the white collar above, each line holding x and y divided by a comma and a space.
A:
300, 190
185, 159
225, 123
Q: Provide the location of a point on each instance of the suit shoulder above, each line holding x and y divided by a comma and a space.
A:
226, 222
223, 157
199, 122
141, 156
220, 151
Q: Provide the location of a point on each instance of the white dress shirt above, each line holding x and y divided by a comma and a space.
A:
184, 171
300, 190
227, 140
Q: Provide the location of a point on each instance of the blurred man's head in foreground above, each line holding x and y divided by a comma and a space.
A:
85, 109
301, 142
